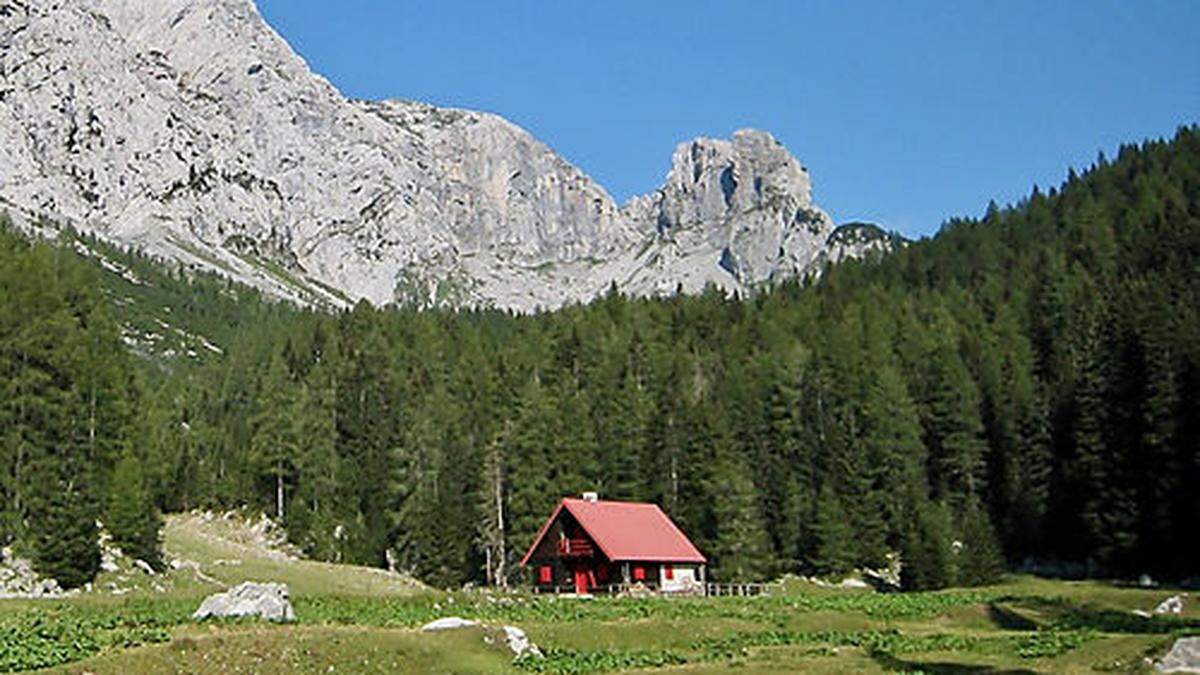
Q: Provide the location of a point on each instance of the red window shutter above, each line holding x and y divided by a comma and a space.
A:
602, 574
639, 573
669, 571
545, 574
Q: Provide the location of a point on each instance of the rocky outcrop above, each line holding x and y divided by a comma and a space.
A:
18, 578
519, 643
190, 129
1172, 605
267, 601
1184, 657
735, 214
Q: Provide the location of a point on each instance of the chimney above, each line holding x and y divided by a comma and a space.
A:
591, 497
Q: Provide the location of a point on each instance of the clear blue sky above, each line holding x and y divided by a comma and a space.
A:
906, 113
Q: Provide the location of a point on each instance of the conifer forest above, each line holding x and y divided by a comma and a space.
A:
1026, 383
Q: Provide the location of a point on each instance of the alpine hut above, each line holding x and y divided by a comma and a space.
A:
588, 544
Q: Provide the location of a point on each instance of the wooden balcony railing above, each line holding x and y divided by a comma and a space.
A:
575, 548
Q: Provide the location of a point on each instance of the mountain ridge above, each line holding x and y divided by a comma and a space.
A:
192, 130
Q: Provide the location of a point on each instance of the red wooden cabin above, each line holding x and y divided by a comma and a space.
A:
588, 544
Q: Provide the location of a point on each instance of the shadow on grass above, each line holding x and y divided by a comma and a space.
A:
892, 664
1082, 617
1008, 619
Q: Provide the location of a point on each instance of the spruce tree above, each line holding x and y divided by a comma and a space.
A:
741, 549
926, 554
953, 429
131, 517
893, 448
62, 513
980, 561
834, 552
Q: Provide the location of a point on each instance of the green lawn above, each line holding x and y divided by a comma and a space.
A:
1027, 625
354, 619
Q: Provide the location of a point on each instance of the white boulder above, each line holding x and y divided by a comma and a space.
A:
1184, 657
268, 601
448, 623
519, 643
1172, 605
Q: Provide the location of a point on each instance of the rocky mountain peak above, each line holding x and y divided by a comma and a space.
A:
189, 128
713, 179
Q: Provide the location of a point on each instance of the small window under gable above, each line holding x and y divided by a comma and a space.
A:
545, 574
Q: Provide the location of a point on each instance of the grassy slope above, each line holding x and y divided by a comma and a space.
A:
223, 554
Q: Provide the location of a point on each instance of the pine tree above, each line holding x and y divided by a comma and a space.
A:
318, 511
62, 513
741, 549
131, 517
276, 441
528, 458
834, 553
926, 554
980, 561
893, 447
954, 431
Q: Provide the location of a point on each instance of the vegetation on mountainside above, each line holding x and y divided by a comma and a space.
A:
1025, 384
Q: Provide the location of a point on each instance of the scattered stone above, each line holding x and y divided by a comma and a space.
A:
1143, 613
144, 566
519, 643
18, 578
1172, 605
1184, 657
269, 601
1145, 581
448, 623
854, 583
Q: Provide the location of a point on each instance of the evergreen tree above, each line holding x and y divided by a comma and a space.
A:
741, 550
276, 440
131, 517
980, 561
953, 428
926, 554
893, 448
833, 555
62, 504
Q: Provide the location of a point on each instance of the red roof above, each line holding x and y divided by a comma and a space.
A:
626, 531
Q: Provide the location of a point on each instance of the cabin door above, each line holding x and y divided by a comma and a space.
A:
581, 579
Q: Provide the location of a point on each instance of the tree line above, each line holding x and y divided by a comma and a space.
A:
1020, 389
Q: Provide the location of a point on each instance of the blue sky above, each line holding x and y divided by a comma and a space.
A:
906, 113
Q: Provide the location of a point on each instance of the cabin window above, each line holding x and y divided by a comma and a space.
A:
669, 572
545, 574
639, 573
602, 574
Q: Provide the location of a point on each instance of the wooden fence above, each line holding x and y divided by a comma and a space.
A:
710, 589
716, 590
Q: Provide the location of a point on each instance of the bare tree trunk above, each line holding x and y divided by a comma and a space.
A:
499, 490
279, 492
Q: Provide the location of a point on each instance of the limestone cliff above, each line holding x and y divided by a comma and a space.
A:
190, 129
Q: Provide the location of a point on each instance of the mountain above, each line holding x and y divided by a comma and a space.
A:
190, 130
